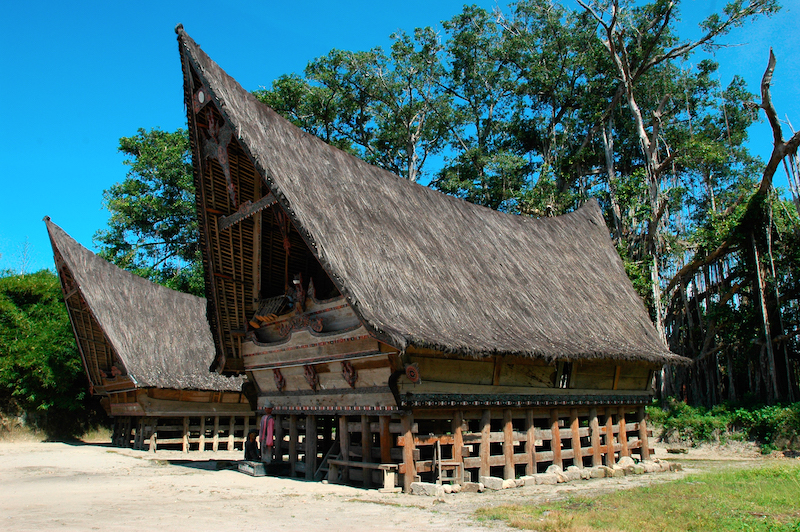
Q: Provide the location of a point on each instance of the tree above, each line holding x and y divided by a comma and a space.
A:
40, 368
152, 230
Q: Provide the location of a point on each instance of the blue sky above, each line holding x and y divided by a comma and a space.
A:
77, 76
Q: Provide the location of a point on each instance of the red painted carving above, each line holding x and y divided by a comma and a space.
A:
280, 382
300, 322
349, 373
311, 377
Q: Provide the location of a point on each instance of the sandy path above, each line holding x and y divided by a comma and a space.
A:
46, 486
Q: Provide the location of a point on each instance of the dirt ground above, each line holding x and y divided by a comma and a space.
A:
93, 486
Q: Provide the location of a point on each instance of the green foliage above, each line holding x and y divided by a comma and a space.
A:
41, 372
775, 427
153, 226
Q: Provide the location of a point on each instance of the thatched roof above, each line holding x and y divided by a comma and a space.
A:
424, 269
161, 336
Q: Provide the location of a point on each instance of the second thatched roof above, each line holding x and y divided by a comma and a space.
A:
161, 336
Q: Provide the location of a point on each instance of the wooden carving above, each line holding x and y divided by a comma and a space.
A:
311, 377
412, 372
300, 322
349, 373
280, 381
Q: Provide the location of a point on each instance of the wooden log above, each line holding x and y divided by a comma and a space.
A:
577, 458
202, 438
555, 438
458, 436
293, 440
386, 439
594, 428
530, 443
408, 453
215, 442
311, 446
278, 444
508, 445
623, 432
232, 432
610, 447
344, 445
246, 427
644, 442
185, 434
154, 436
486, 428
366, 445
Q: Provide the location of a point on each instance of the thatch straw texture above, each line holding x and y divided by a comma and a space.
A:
161, 336
424, 269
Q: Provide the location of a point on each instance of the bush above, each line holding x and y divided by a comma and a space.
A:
774, 427
41, 375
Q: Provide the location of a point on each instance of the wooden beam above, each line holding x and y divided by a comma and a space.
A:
644, 443
311, 446
508, 445
555, 438
610, 447
278, 438
366, 447
293, 440
617, 373
530, 443
202, 438
623, 432
232, 433
408, 453
185, 434
245, 211
386, 440
458, 436
215, 442
577, 457
594, 428
486, 429
344, 445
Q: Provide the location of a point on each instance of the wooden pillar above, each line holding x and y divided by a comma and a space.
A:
594, 431
508, 445
386, 440
215, 443
344, 446
530, 443
623, 432
577, 454
311, 446
277, 437
366, 448
458, 436
246, 429
555, 435
410, 467
610, 460
293, 441
186, 434
231, 433
644, 441
202, 446
486, 429
154, 436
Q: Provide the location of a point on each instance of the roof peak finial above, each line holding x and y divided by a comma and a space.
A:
179, 28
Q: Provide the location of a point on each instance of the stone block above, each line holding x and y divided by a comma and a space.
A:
625, 462
572, 473
492, 483
509, 483
554, 469
675, 467
597, 472
472, 487
426, 489
547, 478
518, 483
638, 469
456, 488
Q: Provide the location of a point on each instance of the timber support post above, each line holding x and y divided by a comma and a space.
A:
486, 428
594, 431
575, 426
311, 446
610, 447
555, 438
530, 443
293, 442
410, 467
344, 446
644, 441
508, 445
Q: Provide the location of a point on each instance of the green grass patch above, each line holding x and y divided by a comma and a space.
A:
765, 498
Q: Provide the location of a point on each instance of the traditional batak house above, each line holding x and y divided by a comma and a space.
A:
147, 351
395, 329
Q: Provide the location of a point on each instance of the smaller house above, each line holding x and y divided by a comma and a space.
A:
147, 350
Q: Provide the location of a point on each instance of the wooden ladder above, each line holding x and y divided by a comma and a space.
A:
322, 470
